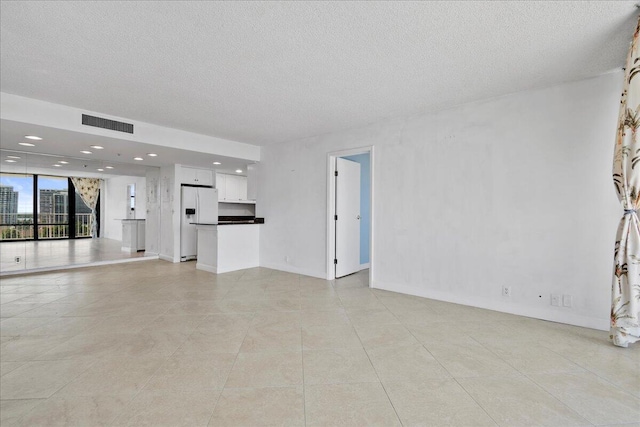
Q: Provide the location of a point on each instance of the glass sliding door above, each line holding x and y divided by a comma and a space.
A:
53, 207
16, 207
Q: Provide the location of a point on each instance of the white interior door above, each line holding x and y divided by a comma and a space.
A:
348, 217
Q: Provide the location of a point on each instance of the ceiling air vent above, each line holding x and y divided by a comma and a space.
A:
99, 122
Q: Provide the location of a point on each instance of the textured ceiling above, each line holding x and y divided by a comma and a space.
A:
265, 72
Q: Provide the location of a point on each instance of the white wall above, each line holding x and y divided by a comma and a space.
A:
169, 214
510, 191
152, 223
115, 203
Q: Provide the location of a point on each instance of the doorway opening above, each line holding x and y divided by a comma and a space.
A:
350, 192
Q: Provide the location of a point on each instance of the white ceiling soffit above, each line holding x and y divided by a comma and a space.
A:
58, 144
264, 72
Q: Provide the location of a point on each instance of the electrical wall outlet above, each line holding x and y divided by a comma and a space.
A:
555, 300
567, 300
18, 260
506, 291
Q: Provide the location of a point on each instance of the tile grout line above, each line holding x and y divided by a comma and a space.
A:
384, 388
231, 369
137, 393
453, 377
45, 399
304, 386
527, 375
474, 399
165, 361
556, 398
375, 370
521, 375
617, 386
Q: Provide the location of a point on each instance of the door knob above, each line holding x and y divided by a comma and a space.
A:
358, 217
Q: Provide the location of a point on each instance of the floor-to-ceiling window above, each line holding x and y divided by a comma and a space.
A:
16, 206
59, 211
53, 207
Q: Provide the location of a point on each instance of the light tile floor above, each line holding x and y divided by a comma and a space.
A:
163, 344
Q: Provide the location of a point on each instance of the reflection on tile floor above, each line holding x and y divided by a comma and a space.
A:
164, 344
58, 253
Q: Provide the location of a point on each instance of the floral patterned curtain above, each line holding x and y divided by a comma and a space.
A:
625, 293
89, 190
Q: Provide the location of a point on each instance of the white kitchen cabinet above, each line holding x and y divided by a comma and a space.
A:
236, 187
221, 180
231, 187
242, 180
187, 175
195, 176
253, 177
204, 177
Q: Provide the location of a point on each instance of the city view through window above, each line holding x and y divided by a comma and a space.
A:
57, 214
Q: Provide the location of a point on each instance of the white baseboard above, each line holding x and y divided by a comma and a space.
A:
205, 267
168, 258
490, 304
291, 269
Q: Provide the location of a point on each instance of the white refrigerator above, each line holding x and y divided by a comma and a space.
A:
198, 205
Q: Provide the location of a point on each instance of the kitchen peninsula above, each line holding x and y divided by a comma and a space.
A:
228, 246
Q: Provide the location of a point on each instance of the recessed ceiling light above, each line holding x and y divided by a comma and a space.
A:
98, 147
101, 170
27, 144
138, 159
13, 157
33, 137
57, 165
217, 163
85, 152
108, 167
64, 162
10, 161
239, 170
152, 155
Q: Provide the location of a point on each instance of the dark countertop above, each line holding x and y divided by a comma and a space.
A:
224, 220
233, 220
227, 223
238, 222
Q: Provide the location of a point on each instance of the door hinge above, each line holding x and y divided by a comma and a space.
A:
335, 217
335, 261
336, 173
